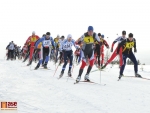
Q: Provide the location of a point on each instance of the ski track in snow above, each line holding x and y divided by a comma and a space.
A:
37, 91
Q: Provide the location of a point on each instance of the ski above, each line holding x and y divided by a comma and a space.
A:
138, 77
89, 82
45, 68
66, 76
97, 70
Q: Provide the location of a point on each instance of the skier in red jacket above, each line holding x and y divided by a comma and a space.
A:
31, 42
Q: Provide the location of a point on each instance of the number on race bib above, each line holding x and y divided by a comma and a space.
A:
129, 45
46, 43
88, 40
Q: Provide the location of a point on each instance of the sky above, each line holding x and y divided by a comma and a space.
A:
18, 18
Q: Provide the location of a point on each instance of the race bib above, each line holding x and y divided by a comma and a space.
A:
67, 46
129, 45
88, 40
33, 39
101, 40
46, 43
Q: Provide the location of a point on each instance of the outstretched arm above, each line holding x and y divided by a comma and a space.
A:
37, 43
106, 44
120, 45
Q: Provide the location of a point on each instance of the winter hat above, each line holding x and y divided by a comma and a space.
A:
44, 35
33, 32
99, 34
58, 35
90, 28
69, 36
124, 32
130, 35
62, 37
48, 33
102, 36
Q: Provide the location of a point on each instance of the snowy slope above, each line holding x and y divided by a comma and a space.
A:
39, 92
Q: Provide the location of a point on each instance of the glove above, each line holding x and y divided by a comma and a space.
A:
135, 50
111, 50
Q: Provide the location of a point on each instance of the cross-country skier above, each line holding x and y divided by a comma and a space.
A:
56, 40
119, 39
66, 47
60, 49
87, 39
99, 49
24, 51
127, 46
10, 48
77, 54
47, 43
31, 41
104, 42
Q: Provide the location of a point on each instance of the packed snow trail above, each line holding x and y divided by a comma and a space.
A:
37, 91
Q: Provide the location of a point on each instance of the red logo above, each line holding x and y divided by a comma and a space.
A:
8, 105
11, 104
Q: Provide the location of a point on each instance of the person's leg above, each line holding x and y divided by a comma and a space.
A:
82, 66
79, 58
8, 55
70, 56
134, 60
102, 56
12, 54
31, 53
65, 61
121, 57
91, 63
112, 56
47, 56
110, 59
124, 63
42, 53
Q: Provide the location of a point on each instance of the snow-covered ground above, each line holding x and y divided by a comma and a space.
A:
37, 91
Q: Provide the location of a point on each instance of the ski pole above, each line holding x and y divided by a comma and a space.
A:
72, 67
56, 69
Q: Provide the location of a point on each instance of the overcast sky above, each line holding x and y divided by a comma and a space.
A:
18, 18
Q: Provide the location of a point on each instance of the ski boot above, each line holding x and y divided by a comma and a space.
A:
120, 76
138, 75
103, 66
45, 66
69, 74
30, 62
61, 74
78, 79
87, 77
38, 65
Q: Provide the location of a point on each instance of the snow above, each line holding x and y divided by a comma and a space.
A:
37, 91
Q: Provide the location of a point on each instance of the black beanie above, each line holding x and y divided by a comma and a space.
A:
48, 33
